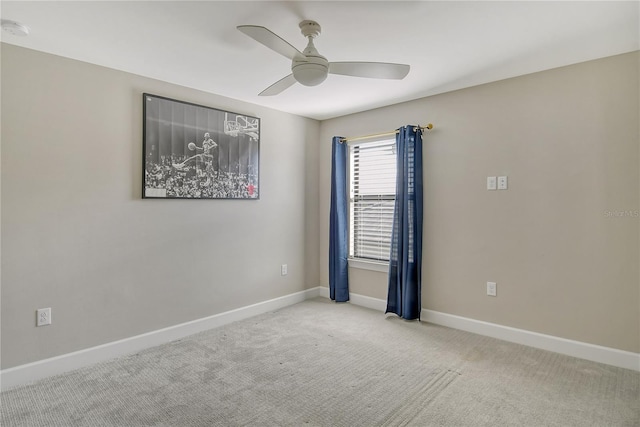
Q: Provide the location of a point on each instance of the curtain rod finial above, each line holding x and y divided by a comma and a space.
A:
429, 126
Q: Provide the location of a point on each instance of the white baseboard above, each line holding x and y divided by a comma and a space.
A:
30, 372
582, 350
361, 300
324, 292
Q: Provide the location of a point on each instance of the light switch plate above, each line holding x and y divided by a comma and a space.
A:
492, 289
491, 183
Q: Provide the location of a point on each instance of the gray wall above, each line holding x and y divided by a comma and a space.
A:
77, 237
565, 263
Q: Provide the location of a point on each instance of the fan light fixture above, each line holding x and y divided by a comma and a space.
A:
312, 69
309, 67
310, 74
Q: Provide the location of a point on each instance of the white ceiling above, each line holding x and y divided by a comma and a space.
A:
449, 45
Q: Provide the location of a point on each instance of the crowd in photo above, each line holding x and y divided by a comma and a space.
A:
198, 181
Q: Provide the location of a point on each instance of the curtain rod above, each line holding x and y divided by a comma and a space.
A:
376, 135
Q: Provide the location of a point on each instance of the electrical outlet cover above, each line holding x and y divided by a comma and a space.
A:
43, 316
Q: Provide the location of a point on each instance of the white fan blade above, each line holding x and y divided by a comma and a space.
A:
374, 70
270, 40
279, 86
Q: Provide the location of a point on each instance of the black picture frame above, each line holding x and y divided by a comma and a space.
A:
191, 151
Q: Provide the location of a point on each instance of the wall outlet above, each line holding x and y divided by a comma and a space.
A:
283, 269
43, 316
492, 289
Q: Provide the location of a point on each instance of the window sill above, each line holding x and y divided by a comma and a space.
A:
380, 266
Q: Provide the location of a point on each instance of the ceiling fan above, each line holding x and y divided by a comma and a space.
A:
309, 67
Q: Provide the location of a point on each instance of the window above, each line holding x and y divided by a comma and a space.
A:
372, 188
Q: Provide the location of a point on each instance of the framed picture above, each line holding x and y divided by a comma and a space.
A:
196, 152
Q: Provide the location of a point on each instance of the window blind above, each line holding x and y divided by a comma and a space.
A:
372, 173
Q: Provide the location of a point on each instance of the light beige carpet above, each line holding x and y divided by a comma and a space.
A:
324, 364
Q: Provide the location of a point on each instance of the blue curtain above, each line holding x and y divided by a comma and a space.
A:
338, 226
405, 263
